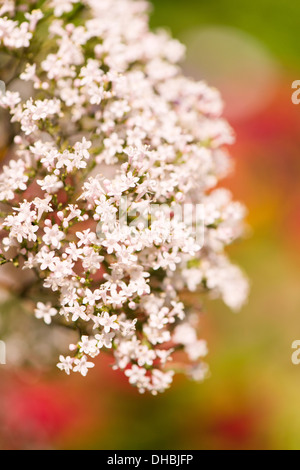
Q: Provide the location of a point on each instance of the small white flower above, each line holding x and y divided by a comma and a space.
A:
137, 376
62, 6
43, 205
50, 184
53, 236
196, 350
85, 238
45, 312
105, 340
77, 311
108, 322
91, 297
110, 188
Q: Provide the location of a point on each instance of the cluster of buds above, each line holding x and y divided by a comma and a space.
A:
105, 128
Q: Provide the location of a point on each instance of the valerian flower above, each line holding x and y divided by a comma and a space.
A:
103, 115
45, 312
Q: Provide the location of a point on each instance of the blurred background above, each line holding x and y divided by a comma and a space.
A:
251, 52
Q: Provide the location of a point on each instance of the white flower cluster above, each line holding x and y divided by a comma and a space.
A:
110, 117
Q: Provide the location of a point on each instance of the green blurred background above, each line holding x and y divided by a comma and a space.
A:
251, 52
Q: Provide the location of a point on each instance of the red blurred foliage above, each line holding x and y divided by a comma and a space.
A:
37, 413
40, 412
